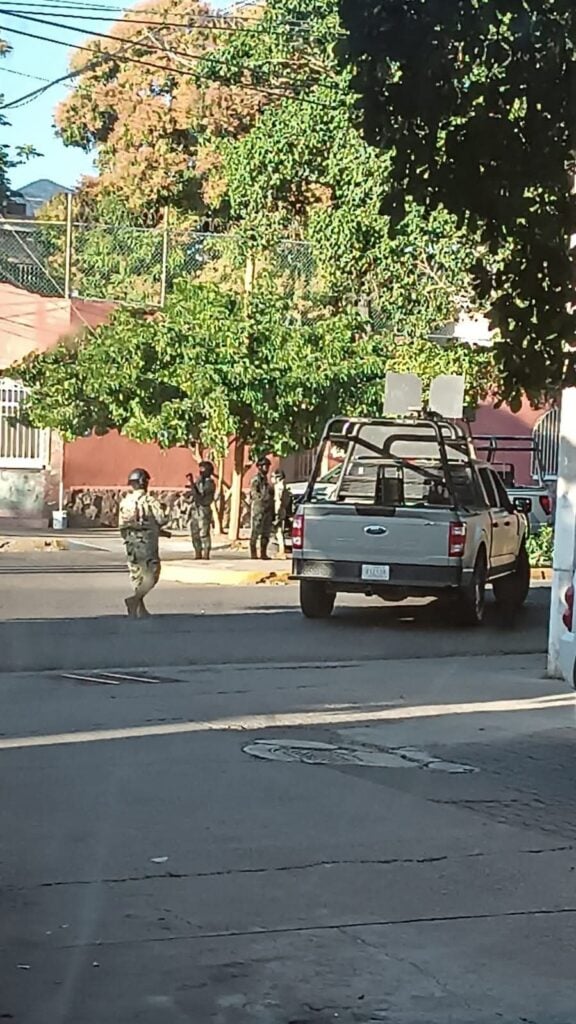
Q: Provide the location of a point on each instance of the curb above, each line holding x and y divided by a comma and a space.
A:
194, 576
542, 575
24, 545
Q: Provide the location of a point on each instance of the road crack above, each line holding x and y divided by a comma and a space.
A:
287, 868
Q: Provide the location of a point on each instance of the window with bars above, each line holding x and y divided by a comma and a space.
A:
546, 434
21, 447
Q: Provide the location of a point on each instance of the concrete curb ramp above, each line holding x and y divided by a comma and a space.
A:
25, 545
231, 575
542, 575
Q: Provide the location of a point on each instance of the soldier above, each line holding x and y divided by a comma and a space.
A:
261, 510
201, 494
282, 509
141, 520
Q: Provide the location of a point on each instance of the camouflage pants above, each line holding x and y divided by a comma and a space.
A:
144, 576
280, 537
261, 526
200, 524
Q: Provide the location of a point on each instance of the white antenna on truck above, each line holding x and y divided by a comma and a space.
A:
403, 395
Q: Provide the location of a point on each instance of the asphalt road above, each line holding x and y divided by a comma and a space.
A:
170, 852
67, 610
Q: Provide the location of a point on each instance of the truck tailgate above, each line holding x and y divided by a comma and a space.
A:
339, 533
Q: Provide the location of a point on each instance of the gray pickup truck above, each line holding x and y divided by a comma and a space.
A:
413, 513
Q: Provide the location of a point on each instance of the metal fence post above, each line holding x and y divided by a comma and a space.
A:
165, 250
68, 244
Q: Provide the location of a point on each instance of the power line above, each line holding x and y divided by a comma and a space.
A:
120, 55
189, 23
155, 48
205, 16
23, 74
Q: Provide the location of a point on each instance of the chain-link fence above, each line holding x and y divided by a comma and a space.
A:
135, 265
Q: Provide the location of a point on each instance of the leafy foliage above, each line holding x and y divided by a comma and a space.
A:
143, 120
474, 102
212, 365
302, 169
540, 547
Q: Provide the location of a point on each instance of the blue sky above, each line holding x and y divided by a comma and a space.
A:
33, 123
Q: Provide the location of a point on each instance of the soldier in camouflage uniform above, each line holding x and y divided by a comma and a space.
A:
283, 503
261, 510
201, 495
141, 520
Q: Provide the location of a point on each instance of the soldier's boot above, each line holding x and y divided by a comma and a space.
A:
264, 549
132, 606
142, 611
253, 550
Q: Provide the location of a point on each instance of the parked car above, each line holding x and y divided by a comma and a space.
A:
323, 487
412, 513
497, 450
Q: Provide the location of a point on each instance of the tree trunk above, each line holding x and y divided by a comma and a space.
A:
236, 497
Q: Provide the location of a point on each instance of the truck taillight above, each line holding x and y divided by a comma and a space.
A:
568, 616
456, 540
298, 532
546, 504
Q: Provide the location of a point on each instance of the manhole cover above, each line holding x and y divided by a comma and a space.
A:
305, 752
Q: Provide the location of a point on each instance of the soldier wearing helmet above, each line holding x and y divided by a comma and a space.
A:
261, 510
141, 520
201, 494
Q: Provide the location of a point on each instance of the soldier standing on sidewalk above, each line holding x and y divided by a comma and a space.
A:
283, 503
141, 519
261, 510
201, 495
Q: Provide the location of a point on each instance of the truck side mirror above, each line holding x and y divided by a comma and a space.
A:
523, 505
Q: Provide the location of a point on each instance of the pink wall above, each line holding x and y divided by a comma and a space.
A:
107, 461
30, 322
503, 421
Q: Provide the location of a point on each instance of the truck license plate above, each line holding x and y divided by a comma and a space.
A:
381, 573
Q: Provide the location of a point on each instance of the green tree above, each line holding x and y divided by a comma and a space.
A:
213, 365
474, 102
301, 170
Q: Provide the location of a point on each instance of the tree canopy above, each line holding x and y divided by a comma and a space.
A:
474, 103
142, 111
214, 365
300, 169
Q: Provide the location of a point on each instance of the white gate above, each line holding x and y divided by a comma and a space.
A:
546, 434
21, 447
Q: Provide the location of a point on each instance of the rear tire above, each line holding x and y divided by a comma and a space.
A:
316, 601
512, 591
473, 596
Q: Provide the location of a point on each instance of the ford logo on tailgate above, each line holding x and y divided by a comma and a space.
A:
375, 531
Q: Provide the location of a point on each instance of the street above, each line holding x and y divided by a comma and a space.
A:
265, 820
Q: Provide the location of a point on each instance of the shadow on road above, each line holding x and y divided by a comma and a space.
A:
266, 633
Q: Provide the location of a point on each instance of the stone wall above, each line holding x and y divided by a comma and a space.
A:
98, 507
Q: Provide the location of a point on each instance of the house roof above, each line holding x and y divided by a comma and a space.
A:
36, 193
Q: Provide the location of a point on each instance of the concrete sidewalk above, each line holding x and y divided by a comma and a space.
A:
227, 567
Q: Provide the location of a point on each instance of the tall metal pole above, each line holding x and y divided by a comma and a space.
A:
565, 530
68, 246
165, 251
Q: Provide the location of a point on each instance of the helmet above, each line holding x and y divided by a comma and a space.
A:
263, 463
139, 478
207, 467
